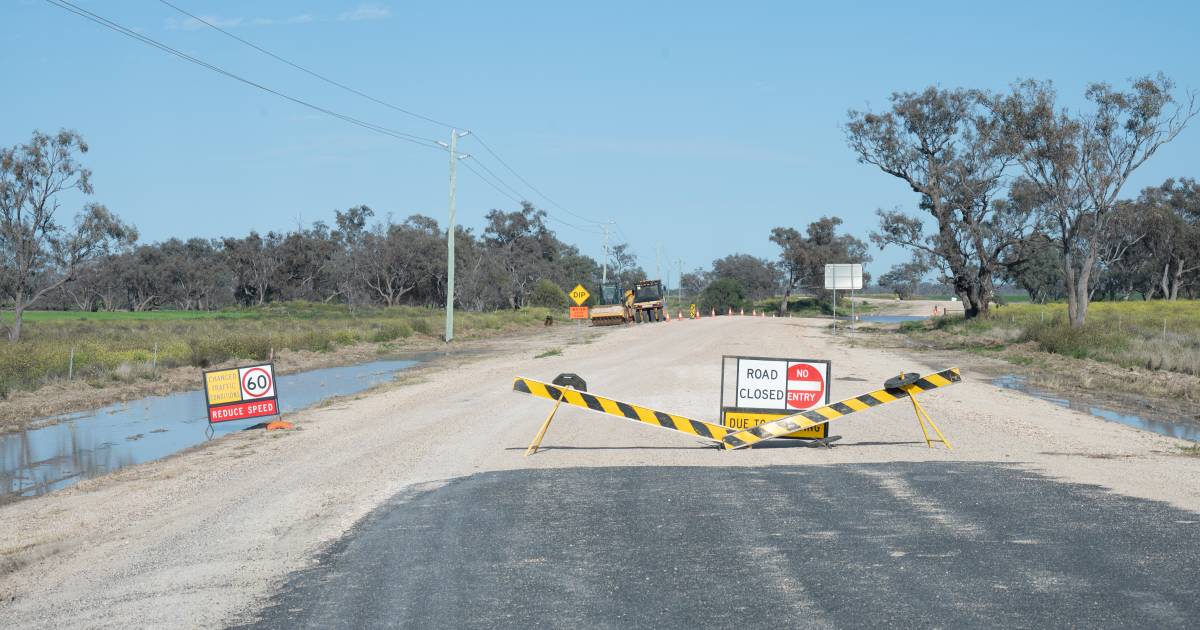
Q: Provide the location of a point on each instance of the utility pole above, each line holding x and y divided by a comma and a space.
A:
658, 261
604, 265
679, 287
454, 158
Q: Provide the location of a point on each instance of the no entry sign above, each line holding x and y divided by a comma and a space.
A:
806, 384
241, 393
767, 389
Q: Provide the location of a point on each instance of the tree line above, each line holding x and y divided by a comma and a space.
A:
96, 263
1020, 187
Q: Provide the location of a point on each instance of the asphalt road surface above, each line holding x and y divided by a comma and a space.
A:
925, 544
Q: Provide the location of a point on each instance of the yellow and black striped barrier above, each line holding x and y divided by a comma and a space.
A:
725, 437
637, 413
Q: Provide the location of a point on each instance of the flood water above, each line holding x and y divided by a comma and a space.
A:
891, 319
93, 443
1181, 430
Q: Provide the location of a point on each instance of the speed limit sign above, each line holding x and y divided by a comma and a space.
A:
257, 381
241, 393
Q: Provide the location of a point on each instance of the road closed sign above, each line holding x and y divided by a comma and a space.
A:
784, 384
766, 389
241, 393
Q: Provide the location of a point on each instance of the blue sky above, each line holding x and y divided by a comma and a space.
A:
696, 129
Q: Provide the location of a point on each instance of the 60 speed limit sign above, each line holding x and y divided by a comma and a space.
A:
257, 381
241, 393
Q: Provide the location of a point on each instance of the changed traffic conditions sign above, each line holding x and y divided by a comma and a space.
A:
766, 389
241, 393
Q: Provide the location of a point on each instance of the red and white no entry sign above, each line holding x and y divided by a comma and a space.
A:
805, 385
257, 382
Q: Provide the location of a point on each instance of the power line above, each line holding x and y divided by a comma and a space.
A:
543, 195
498, 179
500, 190
490, 182
109, 24
388, 105
312, 72
407, 137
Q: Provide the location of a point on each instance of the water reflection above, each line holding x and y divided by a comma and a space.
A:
93, 443
885, 319
1183, 431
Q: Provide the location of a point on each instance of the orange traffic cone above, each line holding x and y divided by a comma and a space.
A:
667, 314
714, 311
742, 313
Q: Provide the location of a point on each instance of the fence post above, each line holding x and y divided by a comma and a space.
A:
154, 361
71, 366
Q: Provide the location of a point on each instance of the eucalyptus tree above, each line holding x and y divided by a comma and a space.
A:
1081, 159
802, 257
39, 252
946, 146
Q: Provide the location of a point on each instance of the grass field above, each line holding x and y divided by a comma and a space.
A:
116, 347
1155, 335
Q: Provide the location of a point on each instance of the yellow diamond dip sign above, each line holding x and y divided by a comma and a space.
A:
241, 393
579, 295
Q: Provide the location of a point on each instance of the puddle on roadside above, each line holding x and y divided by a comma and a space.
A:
1179, 430
89, 444
884, 319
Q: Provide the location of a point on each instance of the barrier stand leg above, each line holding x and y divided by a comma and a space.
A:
920, 411
537, 439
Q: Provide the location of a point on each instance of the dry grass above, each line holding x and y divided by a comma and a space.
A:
126, 347
1150, 335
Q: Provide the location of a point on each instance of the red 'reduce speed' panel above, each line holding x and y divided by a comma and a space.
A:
243, 410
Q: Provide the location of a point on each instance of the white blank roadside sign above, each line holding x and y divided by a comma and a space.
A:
843, 276
783, 384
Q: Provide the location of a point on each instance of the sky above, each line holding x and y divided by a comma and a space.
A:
695, 127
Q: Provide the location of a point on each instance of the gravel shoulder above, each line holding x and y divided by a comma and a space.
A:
202, 538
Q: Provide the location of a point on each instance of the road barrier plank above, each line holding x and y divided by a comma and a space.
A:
637, 413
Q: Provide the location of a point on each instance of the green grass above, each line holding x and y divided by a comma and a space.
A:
120, 347
552, 352
1156, 335
116, 316
1190, 451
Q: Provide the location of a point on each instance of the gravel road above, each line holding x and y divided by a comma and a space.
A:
207, 538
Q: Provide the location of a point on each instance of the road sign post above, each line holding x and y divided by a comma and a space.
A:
579, 312
844, 276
